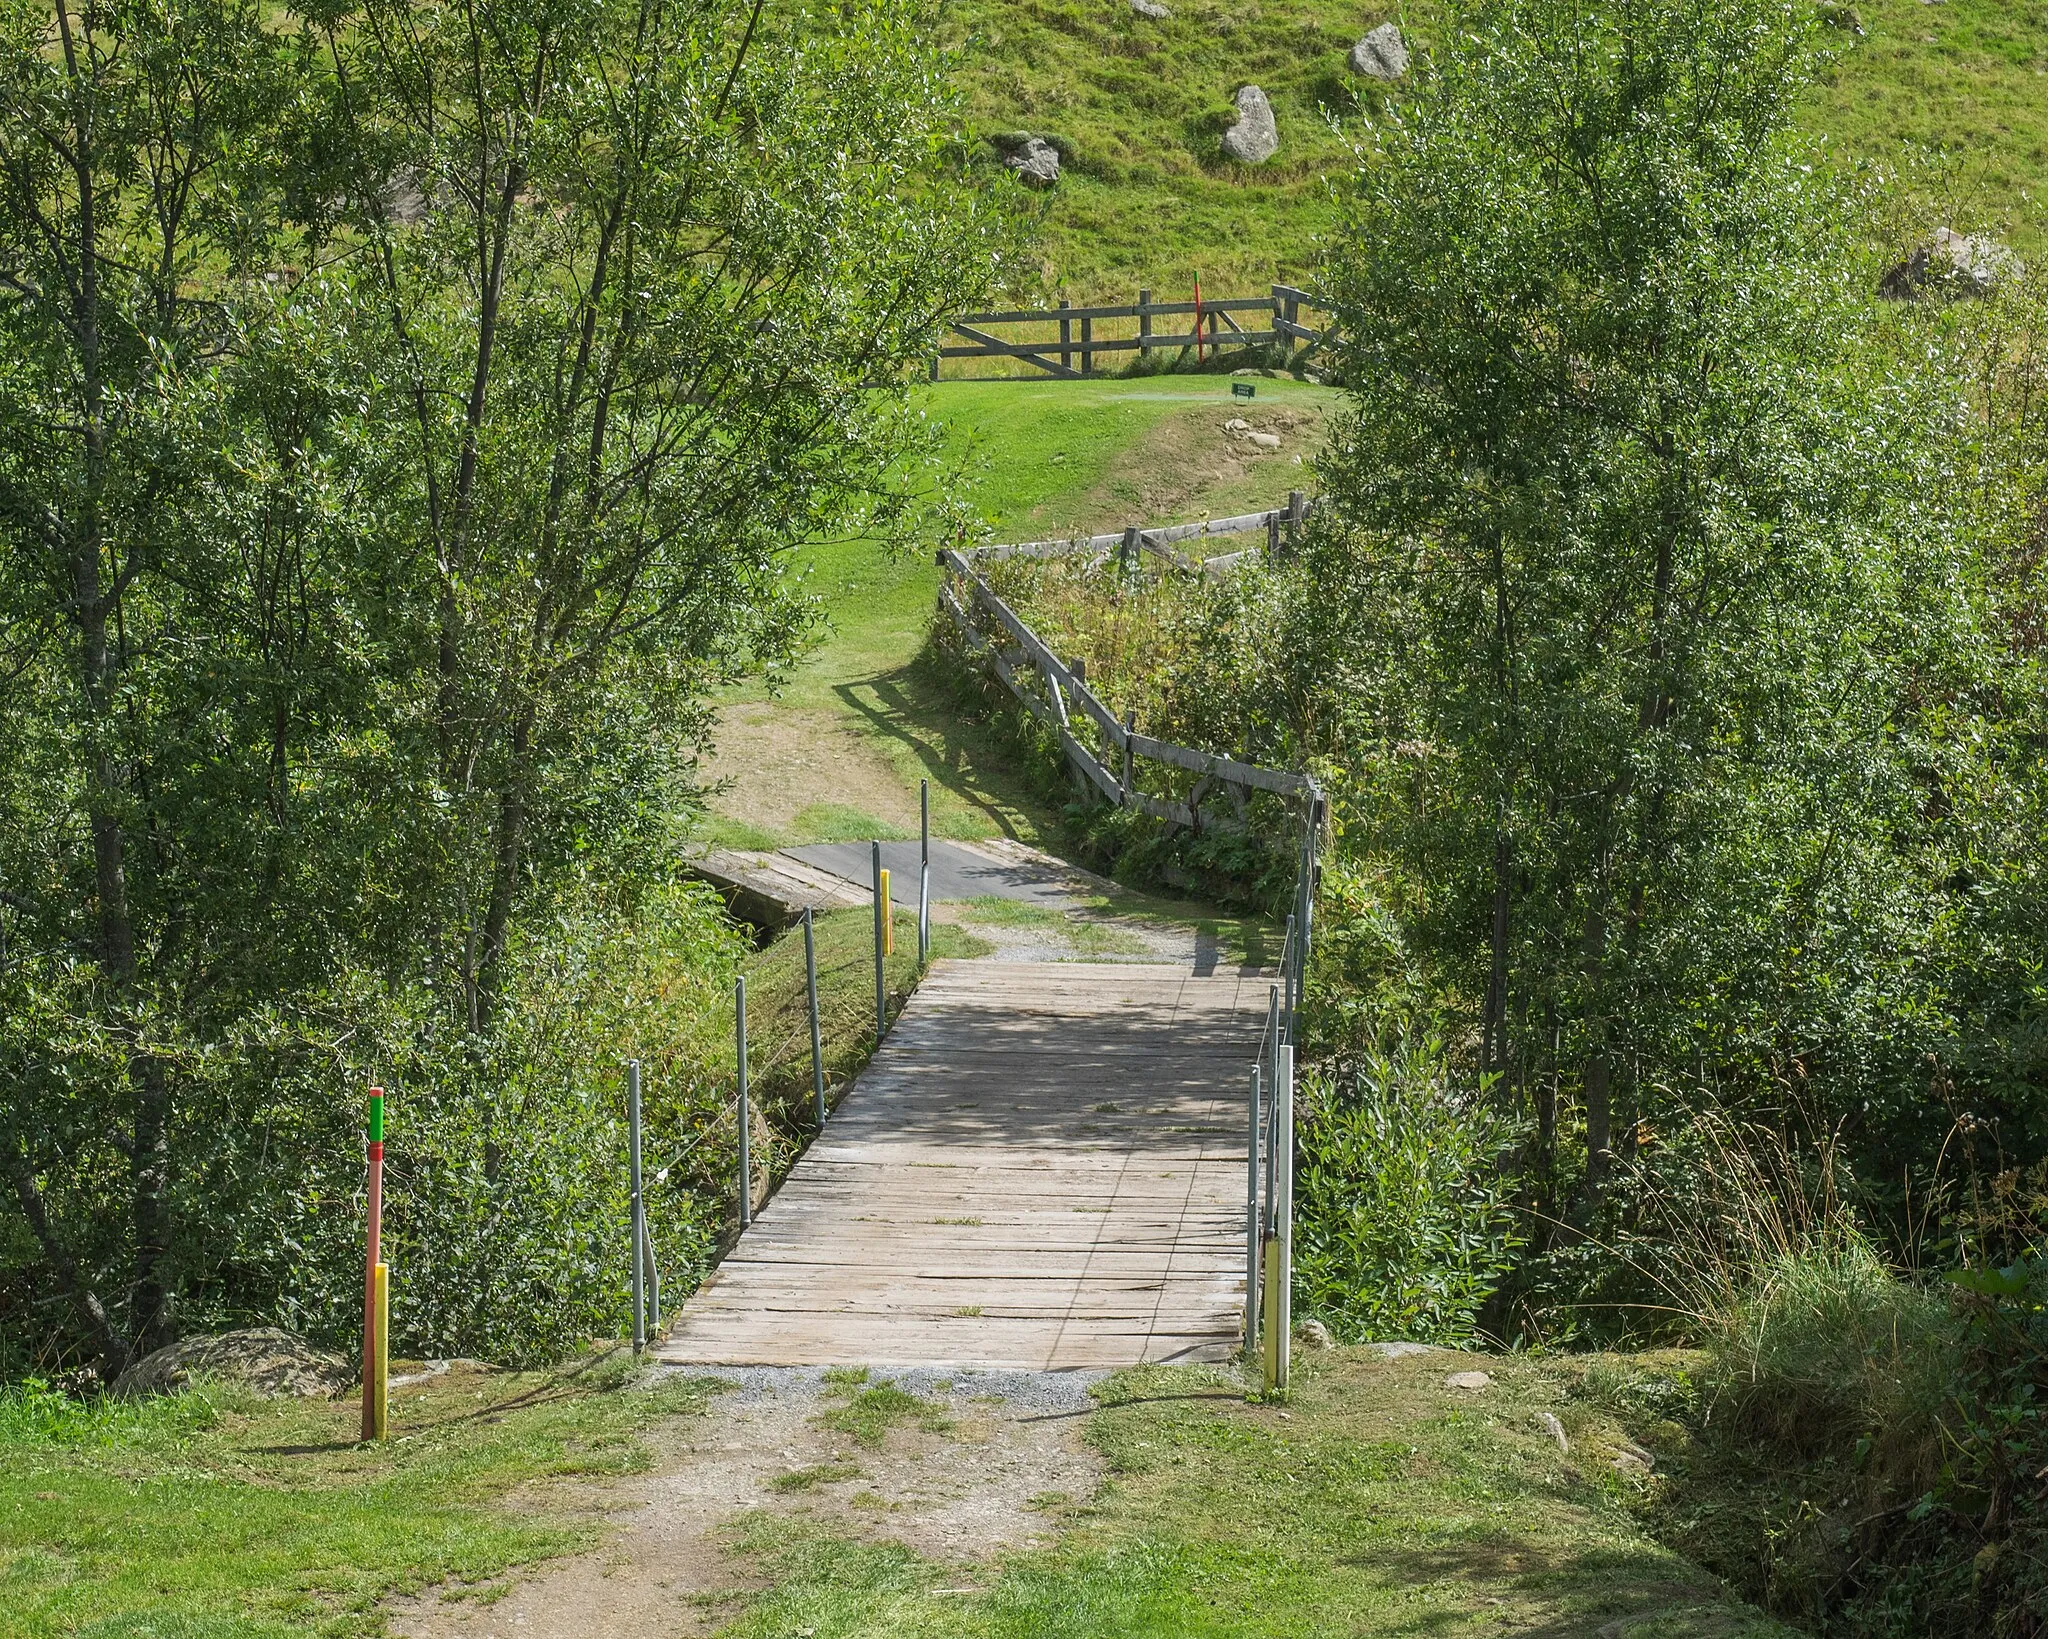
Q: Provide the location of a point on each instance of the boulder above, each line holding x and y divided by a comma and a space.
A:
1400, 1351
1953, 264
1548, 1422
1467, 1380
1843, 17
1255, 138
1381, 55
1036, 162
264, 1358
1152, 9
1315, 1335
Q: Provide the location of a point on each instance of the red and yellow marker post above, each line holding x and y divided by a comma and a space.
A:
376, 1288
888, 917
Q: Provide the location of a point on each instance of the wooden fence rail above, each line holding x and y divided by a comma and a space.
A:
1279, 523
1215, 324
1011, 648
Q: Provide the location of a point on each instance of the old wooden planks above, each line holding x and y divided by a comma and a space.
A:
1042, 1168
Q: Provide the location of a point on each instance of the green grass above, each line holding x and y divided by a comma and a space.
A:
1375, 1503
1033, 460
867, 1411
1147, 199
212, 1513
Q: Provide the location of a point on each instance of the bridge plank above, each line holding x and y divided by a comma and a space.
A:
1094, 1238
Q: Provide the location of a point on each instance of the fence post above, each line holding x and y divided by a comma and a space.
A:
817, 1037
1297, 509
1144, 325
739, 998
1283, 1299
1130, 728
1087, 343
638, 1205
924, 873
881, 984
1066, 336
374, 1314
1127, 551
1251, 1224
1272, 537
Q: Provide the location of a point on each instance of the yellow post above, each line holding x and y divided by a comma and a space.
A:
379, 1390
1271, 1316
888, 919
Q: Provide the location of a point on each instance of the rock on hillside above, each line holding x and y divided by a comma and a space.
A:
1255, 138
1037, 163
1954, 264
1381, 55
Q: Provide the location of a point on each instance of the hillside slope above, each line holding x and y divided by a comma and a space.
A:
1147, 198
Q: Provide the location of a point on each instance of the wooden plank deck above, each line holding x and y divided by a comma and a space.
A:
1042, 1168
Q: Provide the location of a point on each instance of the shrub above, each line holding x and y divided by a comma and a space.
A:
1404, 1223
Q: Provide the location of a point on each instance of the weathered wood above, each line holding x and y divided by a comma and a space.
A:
1026, 354
1222, 768
990, 347
1036, 1230
1042, 315
771, 890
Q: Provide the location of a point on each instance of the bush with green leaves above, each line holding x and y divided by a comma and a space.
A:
1405, 1220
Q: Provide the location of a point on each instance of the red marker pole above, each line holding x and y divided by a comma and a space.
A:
374, 1256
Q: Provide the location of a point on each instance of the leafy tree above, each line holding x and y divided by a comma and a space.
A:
631, 273
404, 417
1653, 644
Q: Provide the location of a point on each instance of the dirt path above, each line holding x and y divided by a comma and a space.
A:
958, 1474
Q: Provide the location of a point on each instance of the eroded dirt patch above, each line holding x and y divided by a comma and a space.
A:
1188, 466
966, 1474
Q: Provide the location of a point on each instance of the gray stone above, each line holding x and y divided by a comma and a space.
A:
1551, 1426
1315, 1335
1467, 1380
1633, 1460
1152, 9
264, 1358
1954, 264
1381, 55
1255, 138
1036, 162
1401, 1351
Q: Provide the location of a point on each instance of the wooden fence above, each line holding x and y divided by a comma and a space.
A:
1281, 525
1058, 695
1068, 342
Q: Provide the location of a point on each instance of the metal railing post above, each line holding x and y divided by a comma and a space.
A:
924, 873
638, 1213
881, 983
739, 997
817, 1036
1283, 1298
1251, 1223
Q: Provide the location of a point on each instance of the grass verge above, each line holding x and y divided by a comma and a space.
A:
215, 1515
1376, 1502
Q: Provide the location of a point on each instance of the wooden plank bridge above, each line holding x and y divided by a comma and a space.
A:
1043, 1167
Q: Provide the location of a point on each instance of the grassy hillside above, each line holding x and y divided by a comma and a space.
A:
1148, 199
836, 751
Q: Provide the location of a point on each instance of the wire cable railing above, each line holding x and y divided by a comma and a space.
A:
1269, 1147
